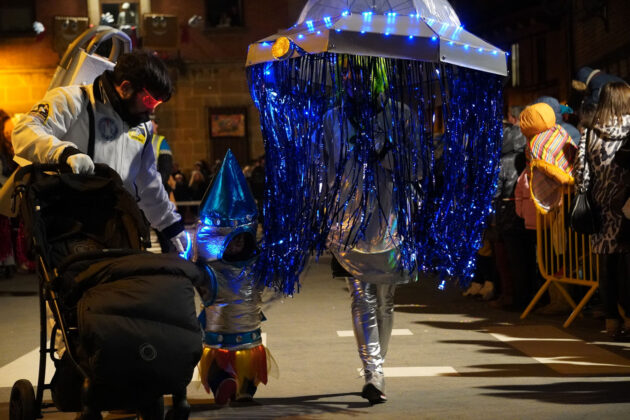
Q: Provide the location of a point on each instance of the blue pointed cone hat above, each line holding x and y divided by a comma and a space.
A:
228, 202
226, 210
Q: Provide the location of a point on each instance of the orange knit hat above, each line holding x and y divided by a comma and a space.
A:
536, 119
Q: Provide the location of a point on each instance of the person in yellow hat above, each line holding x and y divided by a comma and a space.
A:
551, 152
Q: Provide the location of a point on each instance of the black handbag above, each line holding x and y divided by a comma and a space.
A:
584, 217
622, 156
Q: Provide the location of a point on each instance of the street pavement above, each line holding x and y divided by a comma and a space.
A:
451, 357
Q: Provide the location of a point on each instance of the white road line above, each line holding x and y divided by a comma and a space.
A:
507, 338
560, 351
350, 333
567, 360
25, 367
416, 371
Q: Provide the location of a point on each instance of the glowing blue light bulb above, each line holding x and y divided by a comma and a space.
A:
480, 50
410, 36
434, 38
310, 25
495, 52
345, 13
300, 36
466, 47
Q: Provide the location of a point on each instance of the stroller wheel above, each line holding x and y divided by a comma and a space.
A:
174, 414
153, 411
178, 413
180, 409
22, 403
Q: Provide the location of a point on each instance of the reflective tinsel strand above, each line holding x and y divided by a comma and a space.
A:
440, 180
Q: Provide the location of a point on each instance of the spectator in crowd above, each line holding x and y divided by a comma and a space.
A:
551, 152
181, 192
525, 208
197, 185
205, 169
257, 184
586, 114
509, 227
484, 272
559, 110
163, 155
164, 160
604, 178
215, 166
590, 81
7, 166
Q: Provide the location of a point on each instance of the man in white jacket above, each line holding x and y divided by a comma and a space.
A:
107, 122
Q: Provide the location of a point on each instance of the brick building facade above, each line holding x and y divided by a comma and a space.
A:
550, 40
208, 67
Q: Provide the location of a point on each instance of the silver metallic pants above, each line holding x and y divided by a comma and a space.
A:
373, 318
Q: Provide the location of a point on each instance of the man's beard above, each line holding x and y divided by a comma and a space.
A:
132, 119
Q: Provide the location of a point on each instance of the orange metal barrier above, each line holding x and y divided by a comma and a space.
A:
564, 257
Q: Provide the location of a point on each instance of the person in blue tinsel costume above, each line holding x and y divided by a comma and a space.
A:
366, 254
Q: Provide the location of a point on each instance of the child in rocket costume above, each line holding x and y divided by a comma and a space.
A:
234, 360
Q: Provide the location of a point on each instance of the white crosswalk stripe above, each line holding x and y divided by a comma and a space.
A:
25, 367
561, 351
416, 371
548, 345
400, 331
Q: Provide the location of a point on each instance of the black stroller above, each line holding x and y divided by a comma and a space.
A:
125, 317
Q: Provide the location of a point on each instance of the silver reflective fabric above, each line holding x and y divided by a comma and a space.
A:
238, 304
372, 318
439, 10
374, 257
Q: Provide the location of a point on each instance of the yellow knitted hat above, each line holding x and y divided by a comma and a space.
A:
536, 119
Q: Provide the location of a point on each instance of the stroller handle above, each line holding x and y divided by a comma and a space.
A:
40, 167
100, 169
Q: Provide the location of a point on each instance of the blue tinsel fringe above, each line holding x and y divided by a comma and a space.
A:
442, 184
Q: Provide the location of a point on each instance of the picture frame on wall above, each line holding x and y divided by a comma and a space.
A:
228, 123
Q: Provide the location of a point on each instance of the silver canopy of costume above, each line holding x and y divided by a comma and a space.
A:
425, 30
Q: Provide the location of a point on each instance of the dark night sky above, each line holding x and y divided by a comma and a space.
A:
497, 20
